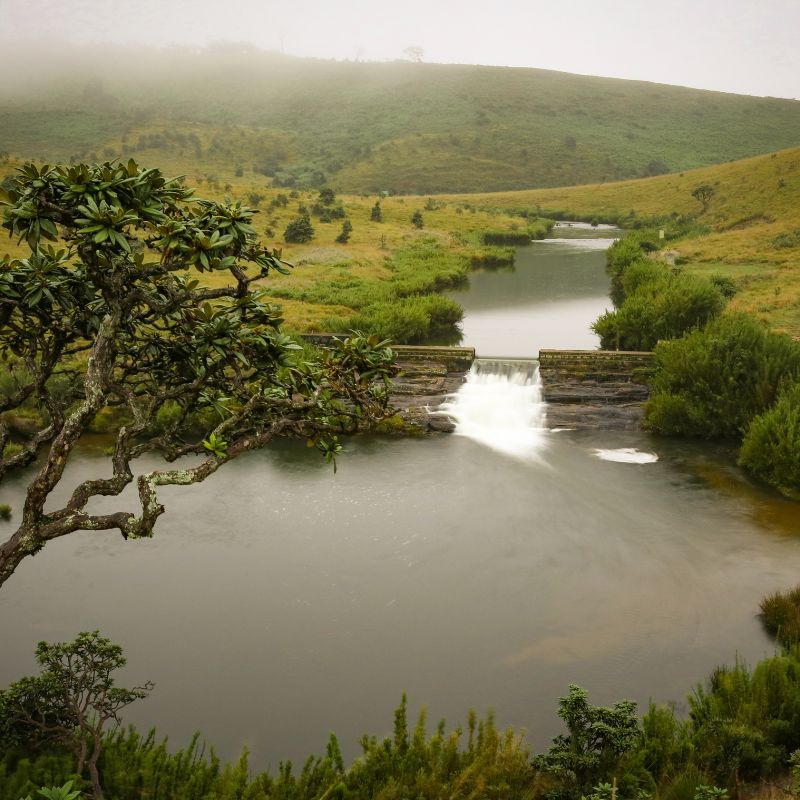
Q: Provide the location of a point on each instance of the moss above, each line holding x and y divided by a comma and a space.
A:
397, 426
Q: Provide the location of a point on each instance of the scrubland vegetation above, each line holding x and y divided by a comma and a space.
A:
743, 727
718, 299
231, 110
747, 230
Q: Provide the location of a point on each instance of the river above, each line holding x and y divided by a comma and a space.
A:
279, 601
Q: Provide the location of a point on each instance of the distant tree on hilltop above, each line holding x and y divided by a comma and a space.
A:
703, 195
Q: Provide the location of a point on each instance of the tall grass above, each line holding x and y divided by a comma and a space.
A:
780, 613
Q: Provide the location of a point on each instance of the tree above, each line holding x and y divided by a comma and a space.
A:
117, 322
416, 219
703, 195
598, 738
376, 215
415, 53
327, 196
347, 229
70, 702
299, 230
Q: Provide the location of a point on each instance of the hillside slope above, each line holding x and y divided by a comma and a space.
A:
368, 127
752, 219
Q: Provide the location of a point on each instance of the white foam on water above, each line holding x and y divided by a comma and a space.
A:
580, 243
500, 405
626, 455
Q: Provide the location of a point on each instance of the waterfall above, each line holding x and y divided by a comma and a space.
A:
500, 405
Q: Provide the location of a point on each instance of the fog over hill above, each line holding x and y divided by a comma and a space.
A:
401, 127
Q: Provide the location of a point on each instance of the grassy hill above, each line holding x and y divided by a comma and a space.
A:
369, 127
752, 223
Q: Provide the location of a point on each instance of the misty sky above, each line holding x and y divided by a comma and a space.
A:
743, 46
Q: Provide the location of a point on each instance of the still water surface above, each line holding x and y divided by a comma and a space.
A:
279, 601
556, 290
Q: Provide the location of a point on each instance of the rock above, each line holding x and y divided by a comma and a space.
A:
420, 389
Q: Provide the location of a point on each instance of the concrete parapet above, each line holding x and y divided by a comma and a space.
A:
457, 359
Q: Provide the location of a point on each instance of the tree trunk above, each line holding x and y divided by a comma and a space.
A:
97, 791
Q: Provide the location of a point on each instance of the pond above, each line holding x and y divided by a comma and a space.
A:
278, 601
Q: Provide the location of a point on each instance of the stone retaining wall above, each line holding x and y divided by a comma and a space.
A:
595, 388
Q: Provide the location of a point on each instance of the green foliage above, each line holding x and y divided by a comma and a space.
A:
771, 444
299, 230
417, 220
492, 257
327, 196
506, 237
599, 737
780, 613
65, 792
726, 285
712, 383
371, 127
376, 215
347, 229
5, 511
666, 741
658, 305
403, 308
70, 702
406, 320
164, 353
410, 764
703, 194
215, 445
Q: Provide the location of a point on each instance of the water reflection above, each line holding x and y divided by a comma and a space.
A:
279, 601
558, 288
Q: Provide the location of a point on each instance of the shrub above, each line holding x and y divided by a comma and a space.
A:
771, 445
724, 283
407, 320
347, 229
5, 511
299, 230
416, 219
662, 305
598, 739
712, 383
780, 613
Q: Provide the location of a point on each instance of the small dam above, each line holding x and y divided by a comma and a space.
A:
600, 389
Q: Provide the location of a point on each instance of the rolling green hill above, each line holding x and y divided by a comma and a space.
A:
751, 222
366, 127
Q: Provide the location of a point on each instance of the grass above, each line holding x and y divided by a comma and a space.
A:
750, 226
382, 261
751, 221
370, 127
780, 613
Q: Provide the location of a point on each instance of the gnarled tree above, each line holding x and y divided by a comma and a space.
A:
70, 702
117, 318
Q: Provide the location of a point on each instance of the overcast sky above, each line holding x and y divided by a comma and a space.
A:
743, 46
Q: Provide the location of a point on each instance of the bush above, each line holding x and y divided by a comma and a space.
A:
712, 383
347, 229
662, 305
299, 231
407, 320
780, 613
416, 219
771, 445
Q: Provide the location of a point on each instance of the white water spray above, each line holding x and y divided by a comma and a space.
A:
627, 455
500, 405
